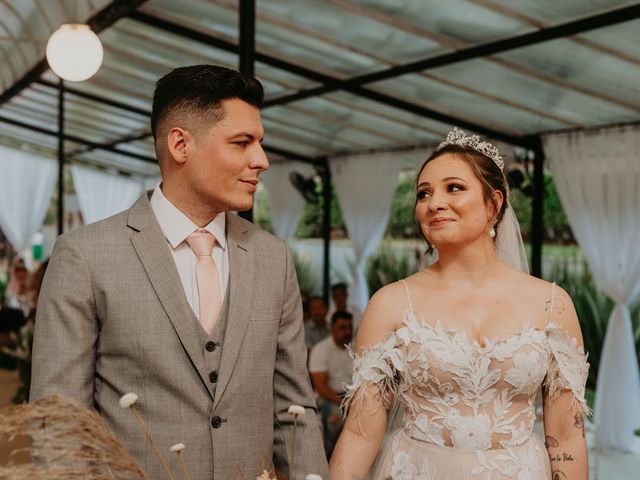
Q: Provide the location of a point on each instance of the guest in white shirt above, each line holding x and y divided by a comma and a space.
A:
331, 367
315, 328
340, 301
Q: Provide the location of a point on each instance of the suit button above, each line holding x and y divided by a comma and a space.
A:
216, 422
210, 346
213, 377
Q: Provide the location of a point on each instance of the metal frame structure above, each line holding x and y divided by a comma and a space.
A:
358, 85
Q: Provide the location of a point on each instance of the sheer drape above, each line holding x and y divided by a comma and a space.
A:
26, 185
102, 194
598, 180
149, 183
285, 202
365, 185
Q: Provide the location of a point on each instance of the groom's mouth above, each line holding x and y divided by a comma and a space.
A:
252, 184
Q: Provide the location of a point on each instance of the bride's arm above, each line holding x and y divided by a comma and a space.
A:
368, 406
359, 441
564, 405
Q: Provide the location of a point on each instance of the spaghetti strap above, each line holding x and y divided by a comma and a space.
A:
406, 289
553, 301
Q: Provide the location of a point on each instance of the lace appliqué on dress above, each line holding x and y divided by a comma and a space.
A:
568, 369
375, 371
476, 402
520, 464
403, 469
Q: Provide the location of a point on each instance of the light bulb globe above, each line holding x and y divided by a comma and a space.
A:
74, 52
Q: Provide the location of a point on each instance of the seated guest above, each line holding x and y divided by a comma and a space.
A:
339, 301
331, 366
315, 328
18, 294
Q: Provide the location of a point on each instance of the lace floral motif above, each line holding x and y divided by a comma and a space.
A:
519, 464
376, 369
458, 393
569, 368
403, 469
527, 373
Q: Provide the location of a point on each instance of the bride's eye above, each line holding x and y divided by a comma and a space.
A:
454, 187
422, 194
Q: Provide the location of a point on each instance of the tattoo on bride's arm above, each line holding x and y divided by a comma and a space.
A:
551, 442
579, 422
558, 305
561, 457
558, 475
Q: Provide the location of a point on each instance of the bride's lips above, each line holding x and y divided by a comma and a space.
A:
440, 221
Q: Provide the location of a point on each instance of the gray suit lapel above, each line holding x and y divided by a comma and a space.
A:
154, 253
239, 306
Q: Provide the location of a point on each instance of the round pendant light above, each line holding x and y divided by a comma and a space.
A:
74, 52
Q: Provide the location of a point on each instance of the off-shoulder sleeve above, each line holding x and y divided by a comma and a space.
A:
375, 371
568, 369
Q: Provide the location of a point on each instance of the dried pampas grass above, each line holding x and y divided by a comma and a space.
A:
68, 442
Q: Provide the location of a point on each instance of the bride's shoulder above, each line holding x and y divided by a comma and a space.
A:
390, 299
385, 311
550, 299
535, 288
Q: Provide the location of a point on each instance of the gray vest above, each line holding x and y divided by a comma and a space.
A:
212, 344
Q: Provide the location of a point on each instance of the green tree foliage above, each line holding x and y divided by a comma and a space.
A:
388, 265
593, 308
262, 210
401, 222
310, 225
557, 229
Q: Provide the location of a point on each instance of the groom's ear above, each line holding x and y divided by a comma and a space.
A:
177, 144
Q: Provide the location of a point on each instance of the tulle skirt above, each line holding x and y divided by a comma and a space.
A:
404, 458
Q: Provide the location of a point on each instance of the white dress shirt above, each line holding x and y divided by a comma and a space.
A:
176, 227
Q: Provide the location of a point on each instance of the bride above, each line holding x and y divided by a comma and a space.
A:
462, 347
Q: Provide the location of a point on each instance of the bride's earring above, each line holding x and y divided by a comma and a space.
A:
492, 232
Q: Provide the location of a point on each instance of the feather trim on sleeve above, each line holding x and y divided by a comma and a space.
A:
568, 369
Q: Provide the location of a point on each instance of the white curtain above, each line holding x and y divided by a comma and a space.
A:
149, 183
365, 185
26, 184
101, 194
285, 201
598, 179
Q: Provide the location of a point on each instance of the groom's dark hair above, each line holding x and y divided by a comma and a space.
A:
196, 93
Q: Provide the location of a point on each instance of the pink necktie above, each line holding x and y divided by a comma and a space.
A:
201, 242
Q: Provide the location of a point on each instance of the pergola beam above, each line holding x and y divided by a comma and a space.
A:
330, 83
246, 55
135, 137
470, 53
539, 36
97, 98
111, 146
73, 138
106, 17
537, 207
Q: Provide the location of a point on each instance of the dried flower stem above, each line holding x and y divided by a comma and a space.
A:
185, 470
293, 449
147, 434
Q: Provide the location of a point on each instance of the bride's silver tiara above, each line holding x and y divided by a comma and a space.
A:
457, 137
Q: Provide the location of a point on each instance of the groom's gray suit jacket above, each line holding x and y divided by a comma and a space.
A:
113, 318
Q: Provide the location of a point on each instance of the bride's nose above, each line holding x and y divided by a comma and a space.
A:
437, 202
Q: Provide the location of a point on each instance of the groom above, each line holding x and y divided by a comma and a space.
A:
184, 303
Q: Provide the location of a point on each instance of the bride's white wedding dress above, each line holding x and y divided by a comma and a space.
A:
468, 410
